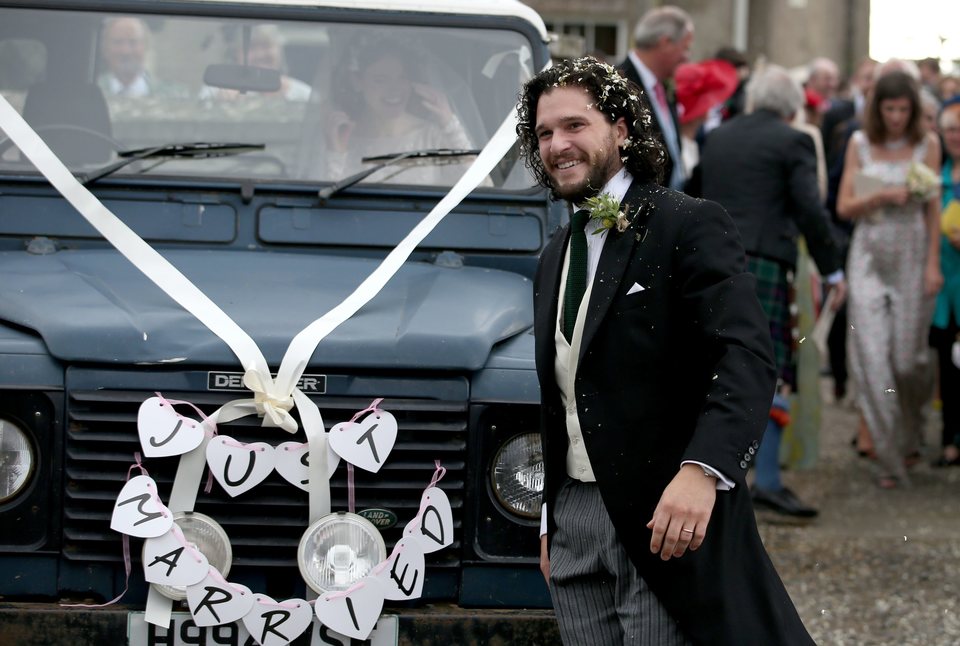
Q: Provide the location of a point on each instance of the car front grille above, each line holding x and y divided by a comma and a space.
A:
266, 523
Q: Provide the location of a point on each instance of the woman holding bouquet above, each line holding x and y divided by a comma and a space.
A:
890, 186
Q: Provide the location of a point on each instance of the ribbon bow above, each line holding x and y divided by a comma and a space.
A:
267, 403
273, 408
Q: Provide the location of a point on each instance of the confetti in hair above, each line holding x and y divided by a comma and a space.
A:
642, 153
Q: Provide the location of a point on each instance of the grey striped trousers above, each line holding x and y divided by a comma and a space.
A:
597, 593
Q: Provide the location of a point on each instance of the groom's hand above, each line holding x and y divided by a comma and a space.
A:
544, 559
686, 504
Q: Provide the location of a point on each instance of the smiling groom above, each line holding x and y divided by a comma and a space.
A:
656, 374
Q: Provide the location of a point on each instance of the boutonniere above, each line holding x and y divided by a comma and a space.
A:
605, 209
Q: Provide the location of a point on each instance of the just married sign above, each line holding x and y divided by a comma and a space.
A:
169, 559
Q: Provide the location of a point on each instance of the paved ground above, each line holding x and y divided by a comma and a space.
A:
877, 567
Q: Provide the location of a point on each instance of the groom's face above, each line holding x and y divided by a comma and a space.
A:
578, 144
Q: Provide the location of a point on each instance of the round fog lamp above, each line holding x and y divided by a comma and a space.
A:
207, 536
517, 475
338, 550
17, 460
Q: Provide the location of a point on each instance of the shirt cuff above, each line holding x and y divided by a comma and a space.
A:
543, 519
835, 277
723, 483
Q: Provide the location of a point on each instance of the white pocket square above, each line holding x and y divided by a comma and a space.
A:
637, 287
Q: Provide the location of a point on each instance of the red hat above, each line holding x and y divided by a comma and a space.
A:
701, 86
812, 98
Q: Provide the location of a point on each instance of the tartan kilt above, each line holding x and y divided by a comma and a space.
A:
775, 292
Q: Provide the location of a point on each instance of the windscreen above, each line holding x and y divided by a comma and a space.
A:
311, 101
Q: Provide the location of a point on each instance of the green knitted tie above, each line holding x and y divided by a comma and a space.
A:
576, 272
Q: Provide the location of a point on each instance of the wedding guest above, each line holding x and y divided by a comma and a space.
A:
764, 172
893, 268
661, 42
945, 331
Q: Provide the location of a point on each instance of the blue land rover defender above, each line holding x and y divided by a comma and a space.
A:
274, 151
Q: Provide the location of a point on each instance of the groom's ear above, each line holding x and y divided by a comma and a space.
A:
620, 128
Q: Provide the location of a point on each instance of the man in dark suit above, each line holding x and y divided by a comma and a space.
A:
662, 41
763, 171
656, 372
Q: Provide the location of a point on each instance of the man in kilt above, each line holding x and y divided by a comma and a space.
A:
764, 172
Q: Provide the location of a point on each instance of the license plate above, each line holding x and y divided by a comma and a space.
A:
183, 632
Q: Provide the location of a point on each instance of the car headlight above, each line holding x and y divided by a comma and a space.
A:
208, 536
338, 550
517, 475
17, 460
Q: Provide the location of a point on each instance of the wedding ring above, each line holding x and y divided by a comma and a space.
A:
686, 530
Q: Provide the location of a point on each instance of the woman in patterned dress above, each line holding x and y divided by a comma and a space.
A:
893, 270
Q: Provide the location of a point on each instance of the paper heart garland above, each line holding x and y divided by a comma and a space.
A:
139, 511
433, 525
164, 432
294, 465
275, 624
367, 443
171, 560
353, 613
401, 575
214, 602
239, 467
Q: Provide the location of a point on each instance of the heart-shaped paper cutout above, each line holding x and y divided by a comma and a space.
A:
171, 560
294, 465
239, 467
164, 432
354, 613
401, 578
274, 624
433, 525
139, 511
367, 443
215, 602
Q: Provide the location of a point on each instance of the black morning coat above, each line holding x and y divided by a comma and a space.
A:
681, 370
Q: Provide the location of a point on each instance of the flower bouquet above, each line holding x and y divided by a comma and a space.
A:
922, 182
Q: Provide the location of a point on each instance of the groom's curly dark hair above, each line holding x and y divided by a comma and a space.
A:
643, 155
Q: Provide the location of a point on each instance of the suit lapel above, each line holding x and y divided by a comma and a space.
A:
616, 254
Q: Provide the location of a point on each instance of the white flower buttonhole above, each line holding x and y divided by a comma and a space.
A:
367, 443
165, 432
239, 467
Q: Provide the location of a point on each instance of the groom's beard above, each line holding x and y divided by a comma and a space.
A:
604, 164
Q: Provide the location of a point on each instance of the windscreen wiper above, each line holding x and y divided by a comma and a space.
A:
382, 161
195, 150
